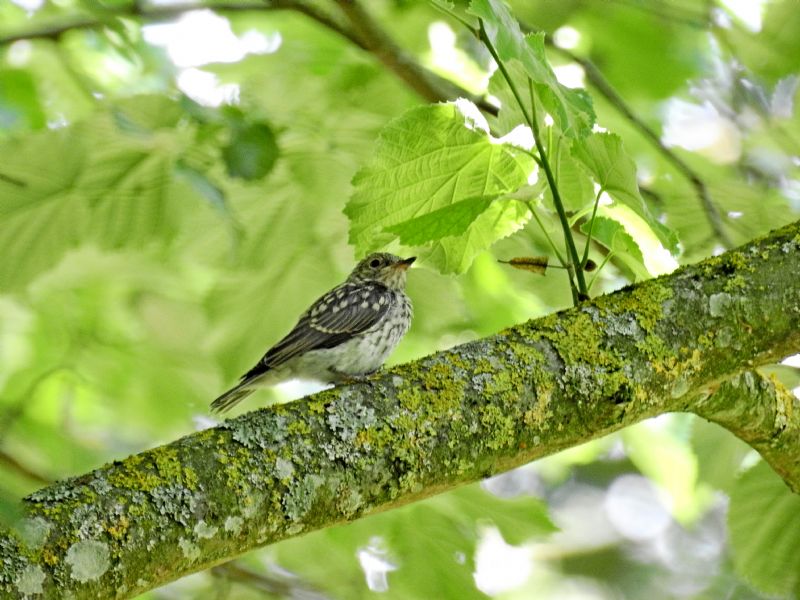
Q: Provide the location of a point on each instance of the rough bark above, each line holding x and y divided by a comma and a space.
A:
674, 343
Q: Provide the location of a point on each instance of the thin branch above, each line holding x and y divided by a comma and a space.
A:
591, 228
580, 291
569, 241
54, 31
427, 84
13, 464
281, 587
553, 247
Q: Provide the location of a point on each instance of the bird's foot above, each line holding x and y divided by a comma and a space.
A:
341, 378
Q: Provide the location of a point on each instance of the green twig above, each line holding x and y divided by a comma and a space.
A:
591, 227
485, 39
582, 291
560, 258
579, 292
600, 267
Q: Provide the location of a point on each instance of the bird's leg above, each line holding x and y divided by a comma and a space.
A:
341, 378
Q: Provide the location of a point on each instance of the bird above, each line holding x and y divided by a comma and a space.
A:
344, 336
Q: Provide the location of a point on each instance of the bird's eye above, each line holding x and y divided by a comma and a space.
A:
375, 263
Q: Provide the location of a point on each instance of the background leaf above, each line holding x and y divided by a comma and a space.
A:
765, 531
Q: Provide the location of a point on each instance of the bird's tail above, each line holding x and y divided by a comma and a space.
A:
232, 397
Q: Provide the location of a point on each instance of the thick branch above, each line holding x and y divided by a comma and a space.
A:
764, 414
419, 429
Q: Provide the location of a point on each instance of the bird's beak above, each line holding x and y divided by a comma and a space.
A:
404, 264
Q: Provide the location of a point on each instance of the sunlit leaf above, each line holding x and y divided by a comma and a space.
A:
19, 101
429, 159
613, 236
442, 222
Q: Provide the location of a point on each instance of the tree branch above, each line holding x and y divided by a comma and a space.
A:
420, 429
427, 84
365, 33
274, 585
764, 414
10, 462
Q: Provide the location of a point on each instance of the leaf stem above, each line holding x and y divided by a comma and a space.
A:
579, 292
553, 247
600, 267
485, 39
582, 291
591, 227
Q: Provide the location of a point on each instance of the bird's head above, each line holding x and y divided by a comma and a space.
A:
385, 268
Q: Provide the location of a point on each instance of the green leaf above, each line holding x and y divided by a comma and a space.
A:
613, 236
252, 151
145, 113
604, 157
430, 159
500, 220
574, 185
85, 183
571, 108
719, 453
765, 531
519, 519
443, 222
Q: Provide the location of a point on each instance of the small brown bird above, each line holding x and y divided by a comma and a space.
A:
346, 334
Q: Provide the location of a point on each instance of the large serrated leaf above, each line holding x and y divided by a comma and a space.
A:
764, 522
440, 223
427, 160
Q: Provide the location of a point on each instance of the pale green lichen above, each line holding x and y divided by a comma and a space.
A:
189, 548
299, 500
88, 559
34, 531
284, 469
351, 503
679, 387
719, 305
233, 524
30, 580
204, 530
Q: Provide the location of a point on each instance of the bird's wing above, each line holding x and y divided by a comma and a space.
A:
342, 313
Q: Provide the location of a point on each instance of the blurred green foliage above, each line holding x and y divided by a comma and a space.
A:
163, 219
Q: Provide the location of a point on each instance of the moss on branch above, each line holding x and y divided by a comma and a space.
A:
416, 430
